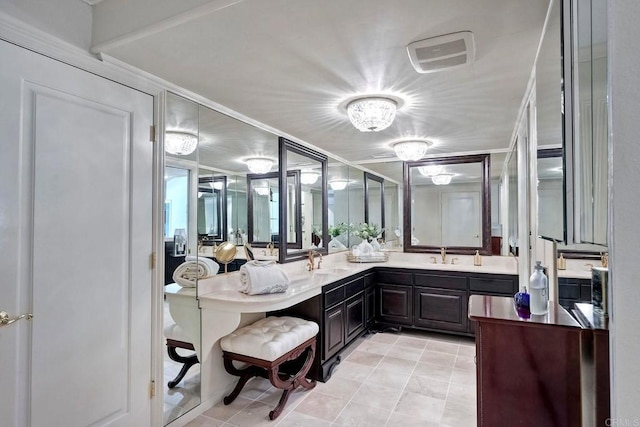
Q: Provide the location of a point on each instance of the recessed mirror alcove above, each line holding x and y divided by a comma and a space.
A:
454, 194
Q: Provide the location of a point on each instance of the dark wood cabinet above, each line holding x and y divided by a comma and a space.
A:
444, 309
370, 305
572, 291
354, 316
333, 334
395, 303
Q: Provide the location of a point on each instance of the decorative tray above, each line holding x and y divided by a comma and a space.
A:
379, 257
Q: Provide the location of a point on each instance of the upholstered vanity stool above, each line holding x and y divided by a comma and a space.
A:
176, 338
264, 346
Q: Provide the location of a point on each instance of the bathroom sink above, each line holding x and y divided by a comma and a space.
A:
332, 271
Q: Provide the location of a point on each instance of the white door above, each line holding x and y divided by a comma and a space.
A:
461, 219
76, 236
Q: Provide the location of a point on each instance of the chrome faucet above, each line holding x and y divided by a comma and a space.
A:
443, 255
310, 264
433, 260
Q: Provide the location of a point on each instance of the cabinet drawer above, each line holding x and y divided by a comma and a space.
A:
444, 281
395, 303
394, 278
333, 296
493, 285
444, 309
369, 280
353, 287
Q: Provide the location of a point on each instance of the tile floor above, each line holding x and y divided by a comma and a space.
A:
387, 379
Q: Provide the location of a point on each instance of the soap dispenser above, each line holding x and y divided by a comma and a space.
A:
562, 262
477, 259
538, 291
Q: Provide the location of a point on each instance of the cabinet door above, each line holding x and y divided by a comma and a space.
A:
354, 310
444, 309
370, 305
395, 303
334, 321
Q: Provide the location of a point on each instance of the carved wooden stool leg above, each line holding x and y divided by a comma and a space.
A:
245, 375
187, 361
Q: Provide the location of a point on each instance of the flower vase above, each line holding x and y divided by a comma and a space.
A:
376, 245
336, 245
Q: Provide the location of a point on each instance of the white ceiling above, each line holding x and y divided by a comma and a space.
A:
292, 64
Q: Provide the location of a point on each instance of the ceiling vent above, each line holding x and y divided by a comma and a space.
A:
442, 52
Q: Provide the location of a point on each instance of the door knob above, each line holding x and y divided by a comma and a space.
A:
6, 320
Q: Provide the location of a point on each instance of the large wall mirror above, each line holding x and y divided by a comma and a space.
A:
338, 206
212, 207
448, 204
303, 201
550, 190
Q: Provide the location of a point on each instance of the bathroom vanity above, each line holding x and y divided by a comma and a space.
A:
346, 299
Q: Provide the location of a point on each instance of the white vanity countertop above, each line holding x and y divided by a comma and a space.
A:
221, 292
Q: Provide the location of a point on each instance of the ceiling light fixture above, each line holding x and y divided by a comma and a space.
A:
411, 150
259, 164
338, 184
309, 177
262, 191
442, 179
180, 143
430, 170
372, 114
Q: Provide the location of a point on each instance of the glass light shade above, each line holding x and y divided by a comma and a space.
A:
259, 164
216, 185
262, 191
338, 184
180, 143
410, 150
372, 114
442, 179
309, 177
431, 170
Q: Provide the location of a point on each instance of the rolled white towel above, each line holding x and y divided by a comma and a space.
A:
186, 274
262, 277
209, 266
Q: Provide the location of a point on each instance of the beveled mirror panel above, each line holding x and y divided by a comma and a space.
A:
263, 194
448, 204
392, 234
374, 201
303, 201
550, 190
356, 202
512, 246
212, 206
338, 205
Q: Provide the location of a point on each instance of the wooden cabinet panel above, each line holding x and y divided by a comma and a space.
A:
493, 284
444, 309
333, 296
354, 310
445, 281
395, 303
353, 287
391, 277
333, 333
370, 305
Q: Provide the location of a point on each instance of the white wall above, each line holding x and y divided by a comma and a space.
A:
624, 230
69, 20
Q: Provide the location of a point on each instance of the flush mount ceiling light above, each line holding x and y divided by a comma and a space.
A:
442, 179
309, 177
338, 184
411, 150
262, 191
430, 170
180, 143
259, 164
372, 114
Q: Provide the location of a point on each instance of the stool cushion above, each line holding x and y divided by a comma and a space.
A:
175, 332
269, 338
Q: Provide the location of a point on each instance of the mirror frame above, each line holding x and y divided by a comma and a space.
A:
485, 164
250, 189
284, 146
369, 176
222, 203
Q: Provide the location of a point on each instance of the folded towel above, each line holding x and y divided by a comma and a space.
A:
188, 273
262, 277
